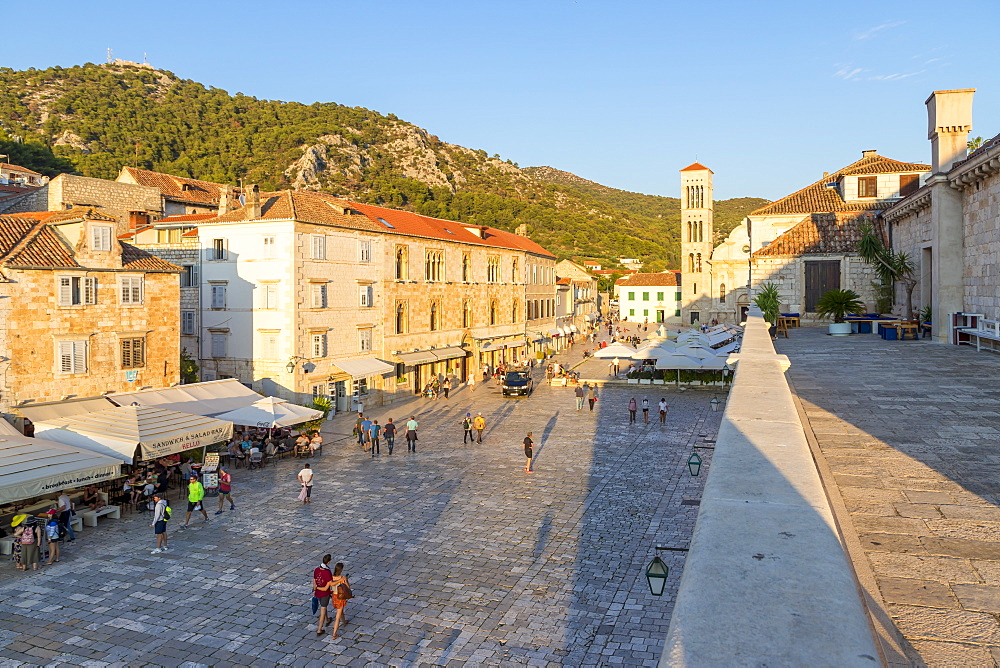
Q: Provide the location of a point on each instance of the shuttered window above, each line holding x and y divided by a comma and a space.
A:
319, 295
187, 322
364, 251
133, 353
318, 247
101, 237
72, 357
319, 345
77, 290
131, 289
218, 345
218, 296
189, 277
366, 295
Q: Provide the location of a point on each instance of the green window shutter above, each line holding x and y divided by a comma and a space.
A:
645, 296
659, 296
645, 311
631, 296
631, 311
677, 297
677, 313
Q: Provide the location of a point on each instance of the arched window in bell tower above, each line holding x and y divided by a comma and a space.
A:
691, 263
699, 263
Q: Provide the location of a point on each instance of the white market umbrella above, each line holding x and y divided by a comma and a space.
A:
615, 350
695, 350
653, 350
271, 412
31, 467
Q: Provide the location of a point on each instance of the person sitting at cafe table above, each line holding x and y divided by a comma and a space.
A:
234, 450
92, 498
316, 442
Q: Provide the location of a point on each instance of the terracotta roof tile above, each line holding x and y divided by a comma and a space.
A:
664, 278
817, 198
186, 218
988, 145
26, 242
696, 166
68, 215
322, 209
179, 188
18, 168
819, 233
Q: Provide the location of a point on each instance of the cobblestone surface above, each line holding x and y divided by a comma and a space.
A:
909, 430
457, 557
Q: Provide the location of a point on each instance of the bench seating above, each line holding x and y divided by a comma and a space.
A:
90, 516
986, 336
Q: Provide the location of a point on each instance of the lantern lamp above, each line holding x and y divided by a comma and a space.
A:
656, 576
715, 404
694, 464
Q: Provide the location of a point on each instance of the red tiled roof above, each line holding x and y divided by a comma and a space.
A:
563, 281
173, 187
322, 209
696, 166
27, 242
68, 215
817, 198
664, 278
186, 218
819, 233
18, 168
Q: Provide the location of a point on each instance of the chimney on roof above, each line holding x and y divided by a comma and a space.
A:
253, 202
225, 200
137, 219
870, 153
949, 120
522, 230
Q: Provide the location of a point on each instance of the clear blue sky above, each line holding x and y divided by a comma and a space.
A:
768, 94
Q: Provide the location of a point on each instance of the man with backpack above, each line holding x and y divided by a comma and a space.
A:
161, 513
195, 495
467, 428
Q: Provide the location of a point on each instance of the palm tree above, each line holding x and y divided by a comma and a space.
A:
891, 267
974, 143
838, 303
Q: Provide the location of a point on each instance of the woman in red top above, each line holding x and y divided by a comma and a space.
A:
321, 590
338, 603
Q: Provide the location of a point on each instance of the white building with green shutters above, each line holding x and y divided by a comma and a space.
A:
649, 297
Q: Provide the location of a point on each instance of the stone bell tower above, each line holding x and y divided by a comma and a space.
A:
696, 244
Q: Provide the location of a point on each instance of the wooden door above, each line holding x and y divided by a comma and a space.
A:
821, 276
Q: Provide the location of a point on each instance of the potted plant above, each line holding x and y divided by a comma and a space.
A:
646, 378
768, 300
836, 304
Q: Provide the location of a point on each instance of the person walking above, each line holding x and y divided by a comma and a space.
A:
579, 392
632, 407
616, 365
357, 429
159, 525
528, 452
195, 495
645, 410
446, 386
663, 410
321, 590
479, 424
338, 597
225, 490
411, 434
366, 426
472, 380
55, 533
305, 477
390, 434
591, 397
467, 428
374, 434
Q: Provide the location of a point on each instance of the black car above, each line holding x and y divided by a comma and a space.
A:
517, 383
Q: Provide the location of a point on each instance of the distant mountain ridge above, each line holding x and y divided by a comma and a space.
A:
94, 119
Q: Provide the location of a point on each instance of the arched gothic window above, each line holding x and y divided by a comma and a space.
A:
513, 311
402, 319
722, 293
435, 317
691, 263
402, 263
698, 264
466, 314
493, 312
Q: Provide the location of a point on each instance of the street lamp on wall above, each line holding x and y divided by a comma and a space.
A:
290, 367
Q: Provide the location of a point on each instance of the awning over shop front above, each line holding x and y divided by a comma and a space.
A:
565, 331
61, 409
418, 357
555, 331
573, 329
364, 367
128, 433
450, 353
32, 467
516, 344
209, 398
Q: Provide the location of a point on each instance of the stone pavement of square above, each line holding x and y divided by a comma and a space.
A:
909, 430
457, 557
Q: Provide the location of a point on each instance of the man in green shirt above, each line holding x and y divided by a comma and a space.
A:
195, 495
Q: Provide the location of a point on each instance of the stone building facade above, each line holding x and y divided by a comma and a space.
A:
306, 294
950, 227
181, 195
697, 234
81, 314
583, 294
806, 242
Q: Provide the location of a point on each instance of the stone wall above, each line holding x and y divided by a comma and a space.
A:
911, 235
33, 323
981, 215
36, 200
789, 275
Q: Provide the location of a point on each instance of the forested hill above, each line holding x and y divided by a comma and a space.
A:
94, 119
